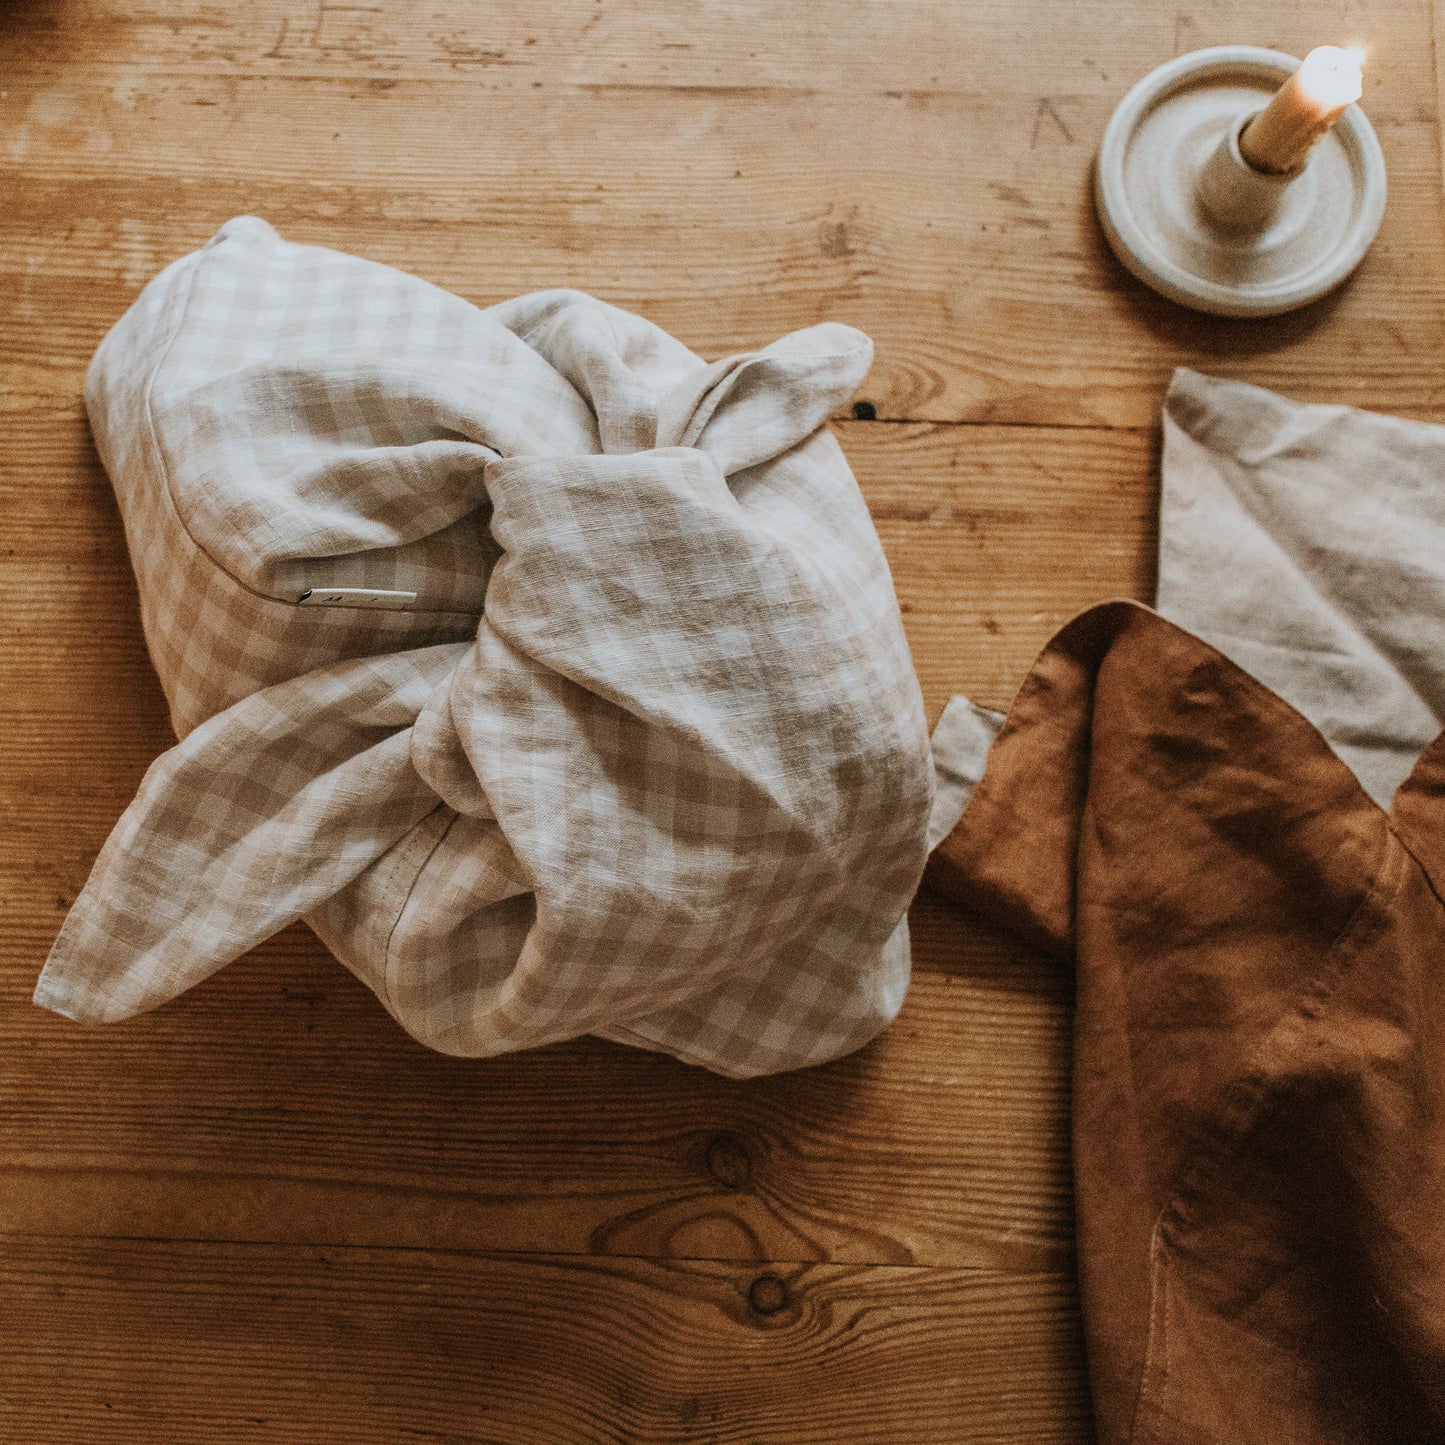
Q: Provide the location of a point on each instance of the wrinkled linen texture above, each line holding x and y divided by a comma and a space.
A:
1305, 542
1228, 817
643, 757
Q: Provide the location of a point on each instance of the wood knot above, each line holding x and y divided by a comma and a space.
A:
865, 411
727, 1163
767, 1295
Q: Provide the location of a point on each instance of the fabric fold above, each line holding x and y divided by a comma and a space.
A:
1225, 817
1258, 1082
1304, 541
258, 816
638, 751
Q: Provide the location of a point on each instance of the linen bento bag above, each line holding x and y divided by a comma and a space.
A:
553, 676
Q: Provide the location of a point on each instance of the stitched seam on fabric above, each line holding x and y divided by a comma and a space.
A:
1158, 1340
1161, 1341
1279, 706
1419, 863
160, 460
386, 972
1373, 902
163, 467
344, 607
1249, 1104
1251, 1081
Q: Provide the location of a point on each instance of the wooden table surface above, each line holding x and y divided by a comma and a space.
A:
264, 1214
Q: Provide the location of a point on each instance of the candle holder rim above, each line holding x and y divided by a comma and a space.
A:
1138, 253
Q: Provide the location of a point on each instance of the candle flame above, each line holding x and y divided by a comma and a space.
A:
1331, 77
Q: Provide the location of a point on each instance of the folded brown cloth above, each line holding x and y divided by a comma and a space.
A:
1259, 1076
1234, 830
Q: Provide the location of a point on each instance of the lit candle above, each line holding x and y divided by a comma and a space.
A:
1279, 138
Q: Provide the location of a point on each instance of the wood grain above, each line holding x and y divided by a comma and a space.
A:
940, 220
1028, 525
262, 1213
278, 1102
830, 46
546, 1151
1437, 56
141, 1340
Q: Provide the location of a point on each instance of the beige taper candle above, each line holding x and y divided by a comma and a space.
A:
1279, 138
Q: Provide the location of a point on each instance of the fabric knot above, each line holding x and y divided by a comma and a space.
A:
644, 756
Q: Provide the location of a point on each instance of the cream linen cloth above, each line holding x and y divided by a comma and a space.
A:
597, 715
1307, 544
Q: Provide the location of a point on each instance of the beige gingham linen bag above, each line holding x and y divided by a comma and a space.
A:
553, 676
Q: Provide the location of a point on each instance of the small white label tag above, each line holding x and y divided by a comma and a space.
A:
355, 597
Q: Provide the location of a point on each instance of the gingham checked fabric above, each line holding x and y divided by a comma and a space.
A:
633, 746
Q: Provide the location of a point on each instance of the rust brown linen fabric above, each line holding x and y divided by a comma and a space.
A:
1259, 1073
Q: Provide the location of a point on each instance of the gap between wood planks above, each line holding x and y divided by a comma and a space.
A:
523, 1256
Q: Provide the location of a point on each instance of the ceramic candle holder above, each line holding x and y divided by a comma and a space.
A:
1189, 216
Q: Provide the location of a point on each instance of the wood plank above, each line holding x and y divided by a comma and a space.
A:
140, 1340
828, 46
235, 1155
954, 228
278, 1102
1437, 57
995, 536
732, 172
